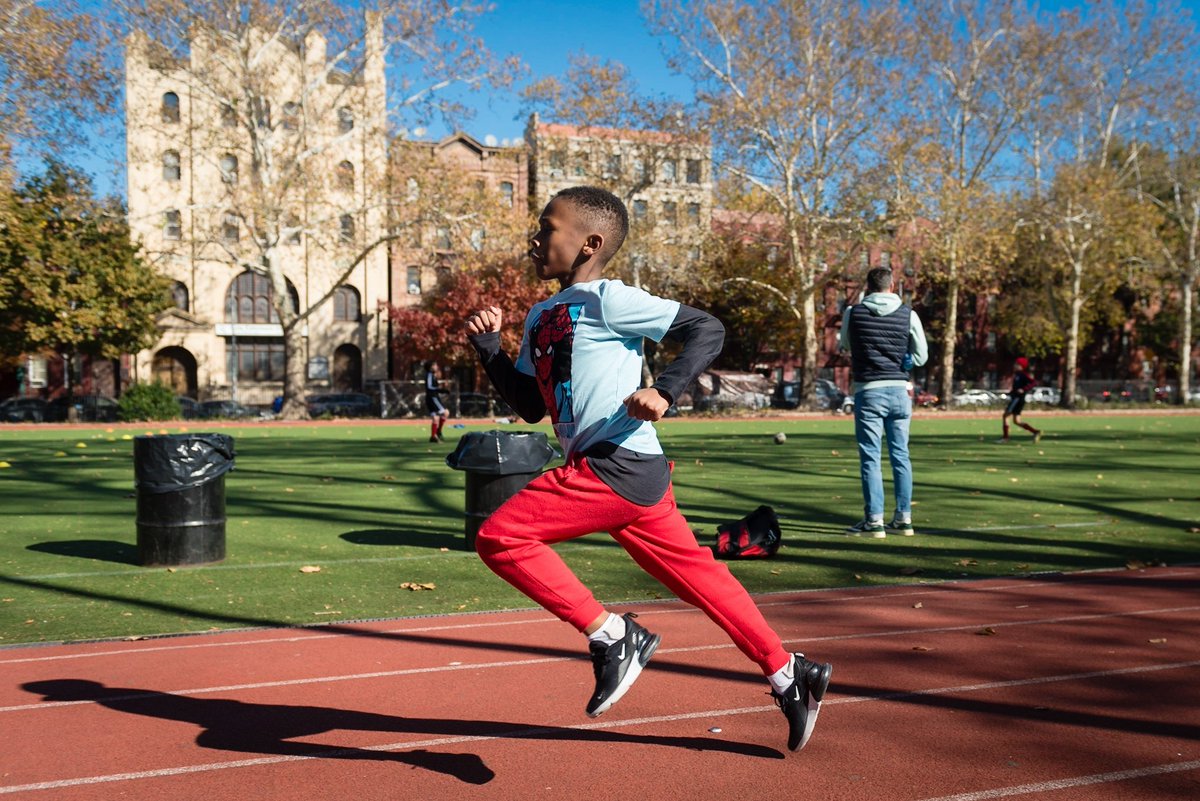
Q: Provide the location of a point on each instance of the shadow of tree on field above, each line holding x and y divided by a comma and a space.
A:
243, 727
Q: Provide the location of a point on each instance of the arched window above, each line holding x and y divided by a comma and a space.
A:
179, 293
249, 300
345, 176
345, 304
347, 228
291, 116
172, 225
229, 168
170, 107
231, 227
345, 119
170, 165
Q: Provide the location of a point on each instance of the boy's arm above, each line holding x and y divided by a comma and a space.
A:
702, 336
520, 391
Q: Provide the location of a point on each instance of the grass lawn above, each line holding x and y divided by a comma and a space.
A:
375, 507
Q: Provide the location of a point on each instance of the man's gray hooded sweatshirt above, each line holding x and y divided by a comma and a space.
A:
881, 340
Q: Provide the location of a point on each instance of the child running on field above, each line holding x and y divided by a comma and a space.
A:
1022, 382
580, 360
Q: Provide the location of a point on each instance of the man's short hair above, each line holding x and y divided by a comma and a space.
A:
602, 209
879, 280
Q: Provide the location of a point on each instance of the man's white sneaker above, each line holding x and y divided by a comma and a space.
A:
867, 528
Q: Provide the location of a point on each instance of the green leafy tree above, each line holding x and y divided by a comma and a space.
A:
70, 279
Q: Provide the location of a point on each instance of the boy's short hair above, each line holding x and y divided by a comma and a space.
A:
879, 280
602, 209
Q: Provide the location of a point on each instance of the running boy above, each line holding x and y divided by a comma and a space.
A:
433, 403
1021, 383
580, 360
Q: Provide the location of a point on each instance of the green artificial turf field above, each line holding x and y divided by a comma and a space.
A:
375, 508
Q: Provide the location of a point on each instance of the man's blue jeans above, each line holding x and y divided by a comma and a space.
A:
882, 412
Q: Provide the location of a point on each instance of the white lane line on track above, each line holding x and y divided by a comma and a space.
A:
611, 724
312, 633
547, 660
1073, 781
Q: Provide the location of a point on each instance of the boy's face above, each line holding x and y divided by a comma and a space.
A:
558, 245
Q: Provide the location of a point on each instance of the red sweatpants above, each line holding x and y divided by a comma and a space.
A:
571, 501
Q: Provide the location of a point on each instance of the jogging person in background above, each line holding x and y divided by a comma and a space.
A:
581, 361
1022, 382
433, 403
885, 339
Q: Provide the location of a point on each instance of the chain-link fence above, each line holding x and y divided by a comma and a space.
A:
399, 399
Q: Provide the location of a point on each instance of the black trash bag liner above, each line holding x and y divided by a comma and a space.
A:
502, 453
755, 536
175, 462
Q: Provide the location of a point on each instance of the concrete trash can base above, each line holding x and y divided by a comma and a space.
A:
180, 481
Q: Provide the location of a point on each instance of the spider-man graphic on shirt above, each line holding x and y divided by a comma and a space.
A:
551, 339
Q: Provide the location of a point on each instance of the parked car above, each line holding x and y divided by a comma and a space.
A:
23, 410
976, 397
924, 398
829, 396
230, 409
189, 407
1047, 395
87, 408
343, 404
1123, 394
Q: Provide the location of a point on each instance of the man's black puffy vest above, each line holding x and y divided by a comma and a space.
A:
878, 344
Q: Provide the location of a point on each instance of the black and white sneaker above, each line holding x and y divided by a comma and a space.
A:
802, 700
617, 666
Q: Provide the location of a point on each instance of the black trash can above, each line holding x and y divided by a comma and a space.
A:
180, 481
498, 464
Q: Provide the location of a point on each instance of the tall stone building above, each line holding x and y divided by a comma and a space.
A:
235, 162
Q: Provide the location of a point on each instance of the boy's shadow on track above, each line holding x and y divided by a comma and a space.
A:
274, 728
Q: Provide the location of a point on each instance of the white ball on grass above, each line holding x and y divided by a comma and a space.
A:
780, 438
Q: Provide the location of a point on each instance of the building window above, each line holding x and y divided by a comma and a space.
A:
231, 229
345, 176
693, 171
254, 359
170, 107
172, 225
293, 225
412, 190
669, 168
478, 237
345, 304
170, 166
669, 214
36, 369
228, 116
414, 280
639, 210
291, 116
864, 259
179, 294
443, 239
345, 120
639, 170
556, 160
612, 167
693, 213
250, 300
262, 112
885, 259
506, 194
229, 168
346, 225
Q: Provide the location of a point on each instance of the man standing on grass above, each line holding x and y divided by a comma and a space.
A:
886, 340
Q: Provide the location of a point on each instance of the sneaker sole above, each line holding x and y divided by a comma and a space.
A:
903, 532
875, 535
630, 676
815, 694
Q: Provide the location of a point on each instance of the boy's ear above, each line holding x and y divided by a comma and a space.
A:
593, 244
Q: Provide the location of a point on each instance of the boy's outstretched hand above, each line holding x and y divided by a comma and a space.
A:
647, 404
485, 321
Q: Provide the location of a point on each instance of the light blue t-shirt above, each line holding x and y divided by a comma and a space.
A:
584, 347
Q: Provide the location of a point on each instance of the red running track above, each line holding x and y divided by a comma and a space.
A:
1059, 688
